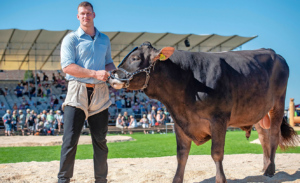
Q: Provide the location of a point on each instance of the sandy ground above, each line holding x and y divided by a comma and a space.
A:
200, 168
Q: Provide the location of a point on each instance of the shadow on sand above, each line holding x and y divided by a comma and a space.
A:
277, 178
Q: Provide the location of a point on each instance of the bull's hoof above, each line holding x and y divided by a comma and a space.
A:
177, 180
270, 171
221, 179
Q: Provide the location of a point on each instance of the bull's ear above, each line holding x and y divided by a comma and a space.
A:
164, 53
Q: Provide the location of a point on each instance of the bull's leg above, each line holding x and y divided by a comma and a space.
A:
183, 149
276, 115
263, 136
218, 132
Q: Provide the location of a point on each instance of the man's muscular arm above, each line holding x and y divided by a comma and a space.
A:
80, 72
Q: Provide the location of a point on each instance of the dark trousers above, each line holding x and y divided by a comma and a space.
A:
73, 122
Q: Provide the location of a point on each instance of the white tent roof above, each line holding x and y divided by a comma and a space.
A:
21, 49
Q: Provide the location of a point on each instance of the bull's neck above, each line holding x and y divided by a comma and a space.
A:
168, 83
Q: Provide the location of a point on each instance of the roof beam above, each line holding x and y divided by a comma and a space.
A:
114, 36
54, 49
27, 54
221, 43
160, 38
9, 41
244, 42
202, 42
128, 45
182, 40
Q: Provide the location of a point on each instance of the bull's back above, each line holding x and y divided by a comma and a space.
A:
260, 81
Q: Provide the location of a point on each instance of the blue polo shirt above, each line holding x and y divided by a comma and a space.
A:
79, 48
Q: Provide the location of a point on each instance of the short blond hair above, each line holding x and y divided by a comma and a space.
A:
85, 4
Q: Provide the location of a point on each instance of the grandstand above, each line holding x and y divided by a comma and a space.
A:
39, 51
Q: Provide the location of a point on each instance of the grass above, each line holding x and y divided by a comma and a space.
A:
156, 145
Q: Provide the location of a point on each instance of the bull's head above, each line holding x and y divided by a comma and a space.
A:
134, 70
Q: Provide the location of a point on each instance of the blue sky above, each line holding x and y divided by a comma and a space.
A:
276, 22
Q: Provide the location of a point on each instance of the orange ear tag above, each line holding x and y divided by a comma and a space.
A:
162, 57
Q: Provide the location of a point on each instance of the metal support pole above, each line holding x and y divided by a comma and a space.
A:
292, 112
36, 89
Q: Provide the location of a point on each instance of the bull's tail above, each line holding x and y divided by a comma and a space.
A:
289, 137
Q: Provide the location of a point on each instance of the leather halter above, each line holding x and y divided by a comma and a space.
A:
129, 76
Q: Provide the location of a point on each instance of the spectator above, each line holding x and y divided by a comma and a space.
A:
145, 123
153, 116
53, 102
119, 122
38, 79
40, 91
136, 109
119, 104
167, 117
113, 98
2, 106
22, 106
123, 101
1, 92
31, 102
54, 80
127, 102
6, 91
27, 116
32, 91
22, 119
160, 117
45, 77
48, 90
125, 119
58, 119
51, 119
24, 100
44, 116
15, 121
31, 121
149, 117
39, 125
48, 130
64, 88
143, 108
42, 100
19, 90
15, 107
25, 90
132, 123
7, 119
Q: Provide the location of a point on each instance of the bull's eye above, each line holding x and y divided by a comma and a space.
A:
135, 58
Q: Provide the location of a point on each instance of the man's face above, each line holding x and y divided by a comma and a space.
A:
86, 16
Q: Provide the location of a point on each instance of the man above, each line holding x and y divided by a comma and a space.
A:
22, 119
31, 121
58, 119
85, 58
7, 119
15, 121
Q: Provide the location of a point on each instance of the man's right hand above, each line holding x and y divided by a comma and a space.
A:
102, 75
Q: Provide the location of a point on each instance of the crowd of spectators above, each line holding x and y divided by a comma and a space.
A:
36, 124
129, 109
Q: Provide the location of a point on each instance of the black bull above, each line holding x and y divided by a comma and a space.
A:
207, 92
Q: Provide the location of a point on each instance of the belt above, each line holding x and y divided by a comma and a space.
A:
90, 85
